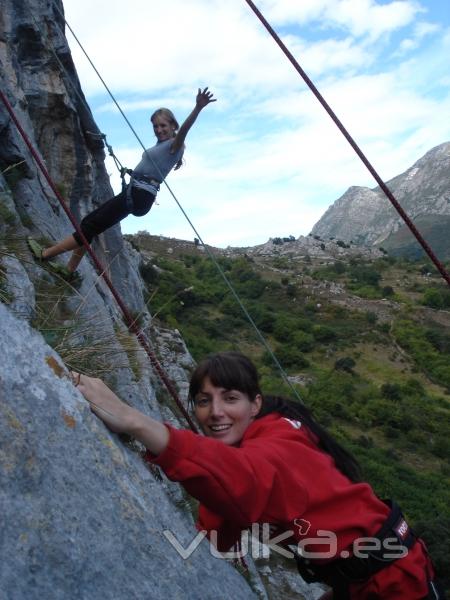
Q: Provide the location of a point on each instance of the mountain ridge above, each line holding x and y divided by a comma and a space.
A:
365, 216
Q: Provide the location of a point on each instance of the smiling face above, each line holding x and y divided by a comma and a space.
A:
224, 414
164, 129
164, 124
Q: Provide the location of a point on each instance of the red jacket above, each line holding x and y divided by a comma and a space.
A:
278, 476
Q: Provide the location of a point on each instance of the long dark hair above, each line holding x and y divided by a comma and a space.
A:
234, 371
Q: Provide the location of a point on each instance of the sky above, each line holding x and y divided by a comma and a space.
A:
265, 160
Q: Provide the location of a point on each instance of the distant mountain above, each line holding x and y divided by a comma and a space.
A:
366, 217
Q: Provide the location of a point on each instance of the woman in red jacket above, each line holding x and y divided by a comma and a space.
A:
265, 464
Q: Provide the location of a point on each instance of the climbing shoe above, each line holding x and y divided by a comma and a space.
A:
36, 249
70, 276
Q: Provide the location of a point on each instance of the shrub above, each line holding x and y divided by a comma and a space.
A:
323, 333
387, 291
303, 341
346, 363
433, 298
339, 267
365, 275
391, 391
289, 357
371, 317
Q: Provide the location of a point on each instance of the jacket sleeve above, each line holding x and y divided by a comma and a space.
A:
243, 485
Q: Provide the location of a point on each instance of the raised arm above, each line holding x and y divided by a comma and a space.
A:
204, 98
121, 418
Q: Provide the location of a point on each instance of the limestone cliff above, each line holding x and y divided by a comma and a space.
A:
366, 216
81, 515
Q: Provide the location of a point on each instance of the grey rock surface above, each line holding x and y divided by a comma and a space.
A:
81, 514
366, 216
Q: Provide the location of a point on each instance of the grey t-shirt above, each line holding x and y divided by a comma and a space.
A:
156, 163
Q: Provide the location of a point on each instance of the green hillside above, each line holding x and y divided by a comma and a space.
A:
366, 345
434, 229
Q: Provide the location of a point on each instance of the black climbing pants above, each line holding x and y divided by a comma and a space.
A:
113, 211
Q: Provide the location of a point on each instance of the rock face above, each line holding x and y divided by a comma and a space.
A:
366, 216
81, 515
40, 82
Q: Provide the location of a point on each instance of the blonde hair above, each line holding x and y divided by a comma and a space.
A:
168, 114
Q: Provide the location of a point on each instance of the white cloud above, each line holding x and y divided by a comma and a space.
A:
367, 17
266, 159
357, 17
223, 44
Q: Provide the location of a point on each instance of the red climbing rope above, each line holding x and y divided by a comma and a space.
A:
130, 322
352, 143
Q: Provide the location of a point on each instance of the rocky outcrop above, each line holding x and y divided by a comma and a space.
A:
313, 247
366, 216
82, 516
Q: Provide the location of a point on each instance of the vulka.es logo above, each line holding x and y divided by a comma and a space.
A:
258, 542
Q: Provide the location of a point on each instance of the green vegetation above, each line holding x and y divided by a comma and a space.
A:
374, 357
429, 347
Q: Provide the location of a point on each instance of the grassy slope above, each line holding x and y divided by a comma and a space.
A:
391, 405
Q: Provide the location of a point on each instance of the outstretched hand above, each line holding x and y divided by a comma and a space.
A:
118, 416
204, 97
104, 402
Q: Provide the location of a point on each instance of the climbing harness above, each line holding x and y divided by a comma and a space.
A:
122, 170
126, 188
341, 572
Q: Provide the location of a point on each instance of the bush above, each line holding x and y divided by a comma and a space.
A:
414, 338
435, 298
323, 333
303, 341
264, 319
387, 291
391, 391
367, 291
346, 363
339, 267
365, 275
289, 357
283, 329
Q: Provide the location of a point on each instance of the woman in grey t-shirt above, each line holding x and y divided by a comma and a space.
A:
140, 194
